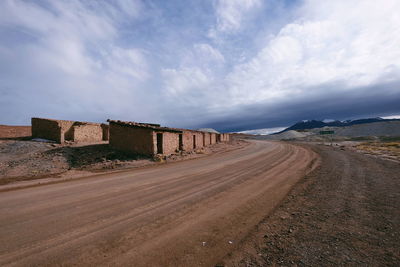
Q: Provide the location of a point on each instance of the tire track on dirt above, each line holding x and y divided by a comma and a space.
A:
121, 211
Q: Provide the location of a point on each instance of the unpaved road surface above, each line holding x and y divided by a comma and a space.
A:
345, 213
188, 213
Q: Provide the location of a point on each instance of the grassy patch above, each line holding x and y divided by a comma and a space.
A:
385, 149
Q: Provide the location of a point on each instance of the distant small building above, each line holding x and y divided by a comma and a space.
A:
223, 137
63, 130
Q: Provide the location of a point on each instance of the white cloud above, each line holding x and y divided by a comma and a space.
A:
231, 13
195, 75
140, 60
391, 117
208, 53
264, 131
184, 81
68, 52
356, 45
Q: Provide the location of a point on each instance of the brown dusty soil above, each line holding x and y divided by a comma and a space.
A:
345, 213
24, 160
187, 213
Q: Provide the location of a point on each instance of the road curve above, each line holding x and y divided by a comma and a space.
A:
188, 213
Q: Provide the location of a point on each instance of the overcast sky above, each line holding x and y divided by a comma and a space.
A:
227, 64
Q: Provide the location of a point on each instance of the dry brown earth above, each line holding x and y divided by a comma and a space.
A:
188, 213
345, 213
25, 162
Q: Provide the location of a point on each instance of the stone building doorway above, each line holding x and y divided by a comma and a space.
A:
194, 142
180, 142
159, 143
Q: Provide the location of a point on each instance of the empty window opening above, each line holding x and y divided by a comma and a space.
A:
159, 143
194, 141
210, 139
180, 142
204, 140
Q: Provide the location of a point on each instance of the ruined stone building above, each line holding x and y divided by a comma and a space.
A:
144, 138
152, 139
223, 137
62, 130
132, 137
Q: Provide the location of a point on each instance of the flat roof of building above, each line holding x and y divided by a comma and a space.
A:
150, 126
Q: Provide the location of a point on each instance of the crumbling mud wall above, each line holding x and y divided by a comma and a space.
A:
192, 140
131, 140
223, 137
47, 129
187, 141
62, 130
106, 131
152, 139
199, 139
170, 143
213, 138
67, 130
87, 133
206, 139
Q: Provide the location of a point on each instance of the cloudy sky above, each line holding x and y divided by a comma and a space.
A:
228, 64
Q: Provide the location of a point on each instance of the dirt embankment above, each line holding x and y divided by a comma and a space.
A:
344, 213
22, 160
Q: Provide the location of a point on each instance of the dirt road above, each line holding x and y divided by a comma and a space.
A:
345, 213
187, 213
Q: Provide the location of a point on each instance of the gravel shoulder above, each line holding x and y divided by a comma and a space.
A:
346, 212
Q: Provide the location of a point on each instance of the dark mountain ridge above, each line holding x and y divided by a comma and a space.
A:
312, 124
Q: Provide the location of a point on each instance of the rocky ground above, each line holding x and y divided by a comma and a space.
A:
344, 213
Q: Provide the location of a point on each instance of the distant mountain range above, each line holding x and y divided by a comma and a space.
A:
312, 124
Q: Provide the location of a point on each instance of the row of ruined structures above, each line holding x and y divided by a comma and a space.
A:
131, 137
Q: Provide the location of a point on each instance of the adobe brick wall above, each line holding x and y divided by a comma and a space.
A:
10, 132
132, 140
223, 137
170, 142
207, 138
106, 131
213, 138
66, 130
62, 130
47, 129
199, 139
87, 133
188, 140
